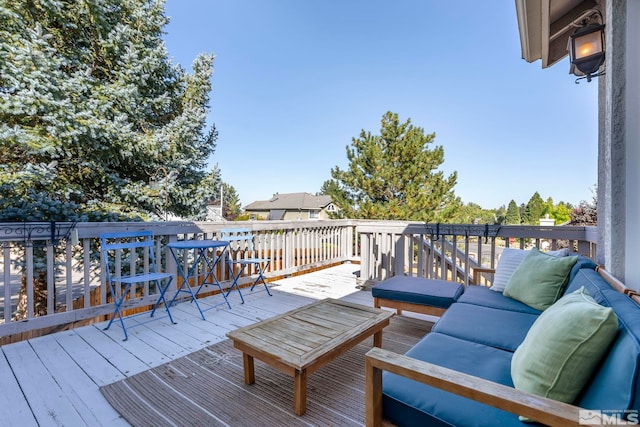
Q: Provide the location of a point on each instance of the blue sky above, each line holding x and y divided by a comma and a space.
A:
295, 80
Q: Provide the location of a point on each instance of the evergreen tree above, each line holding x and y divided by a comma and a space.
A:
91, 113
394, 175
472, 213
91, 109
513, 214
338, 197
534, 209
231, 202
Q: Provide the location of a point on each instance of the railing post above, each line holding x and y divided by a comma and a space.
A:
399, 265
6, 249
366, 257
51, 287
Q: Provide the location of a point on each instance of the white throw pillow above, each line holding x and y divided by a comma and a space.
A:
559, 253
509, 261
507, 264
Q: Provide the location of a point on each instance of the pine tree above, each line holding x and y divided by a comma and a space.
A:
211, 188
534, 209
231, 202
91, 109
394, 175
513, 214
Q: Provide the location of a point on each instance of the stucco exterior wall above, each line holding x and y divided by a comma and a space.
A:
619, 146
632, 133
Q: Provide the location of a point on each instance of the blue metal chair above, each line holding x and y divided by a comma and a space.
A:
241, 241
137, 247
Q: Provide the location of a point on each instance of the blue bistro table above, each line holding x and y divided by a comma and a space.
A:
201, 247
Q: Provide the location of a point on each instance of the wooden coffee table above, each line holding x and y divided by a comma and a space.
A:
302, 340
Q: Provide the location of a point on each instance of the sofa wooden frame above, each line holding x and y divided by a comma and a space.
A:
544, 410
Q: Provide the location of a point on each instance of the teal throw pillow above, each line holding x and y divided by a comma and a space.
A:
563, 347
540, 279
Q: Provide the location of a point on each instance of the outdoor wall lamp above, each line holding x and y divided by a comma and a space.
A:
586, 50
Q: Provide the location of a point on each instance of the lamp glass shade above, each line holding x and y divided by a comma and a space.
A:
588, 44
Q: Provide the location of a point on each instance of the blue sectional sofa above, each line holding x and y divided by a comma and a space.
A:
469, 353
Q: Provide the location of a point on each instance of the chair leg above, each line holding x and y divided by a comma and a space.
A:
162, 299
235, 281
117, 312
261, 278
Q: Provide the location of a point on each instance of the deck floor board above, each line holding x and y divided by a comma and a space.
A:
55, 379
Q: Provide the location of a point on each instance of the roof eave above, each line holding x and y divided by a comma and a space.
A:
529, 14
544, 32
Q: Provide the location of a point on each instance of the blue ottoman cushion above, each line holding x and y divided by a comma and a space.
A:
418, 290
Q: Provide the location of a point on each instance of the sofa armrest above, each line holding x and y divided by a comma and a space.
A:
541, 409
478, 271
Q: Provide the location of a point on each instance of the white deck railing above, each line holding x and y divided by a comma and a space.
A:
50, 273
453, 251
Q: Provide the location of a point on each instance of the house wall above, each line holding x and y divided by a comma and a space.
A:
290, 215
304, 215
632, 125
296, 215
619, 146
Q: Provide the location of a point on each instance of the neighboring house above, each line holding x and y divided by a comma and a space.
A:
214, 212
292, 206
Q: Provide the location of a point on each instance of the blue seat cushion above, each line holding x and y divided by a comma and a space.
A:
418, 290
582, 263
482, 295
616, 384
592, 281
410, 403
492, 327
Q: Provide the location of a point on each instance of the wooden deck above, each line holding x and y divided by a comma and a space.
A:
54, 380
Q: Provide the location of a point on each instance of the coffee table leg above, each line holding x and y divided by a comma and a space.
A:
300, 393
249, 374
377, 339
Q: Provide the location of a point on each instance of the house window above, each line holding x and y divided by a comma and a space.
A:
314, 214
331, 208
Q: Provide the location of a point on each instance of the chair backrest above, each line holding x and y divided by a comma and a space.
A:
243, 237
136, 245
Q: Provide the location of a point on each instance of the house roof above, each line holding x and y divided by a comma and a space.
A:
545, 27
289, 201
